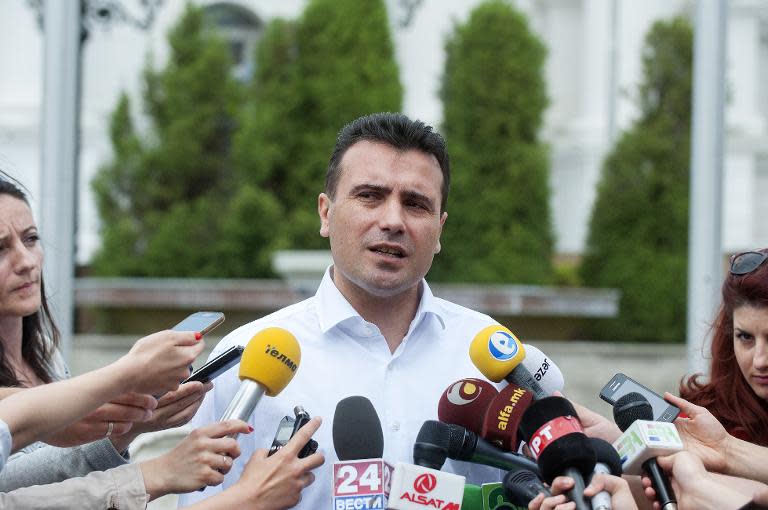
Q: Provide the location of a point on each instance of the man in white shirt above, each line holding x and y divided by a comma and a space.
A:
373, 328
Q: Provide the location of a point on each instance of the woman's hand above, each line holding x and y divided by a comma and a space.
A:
174, 409
558, 499
702, 434
276, 482
123, 413
202, 458
159, 362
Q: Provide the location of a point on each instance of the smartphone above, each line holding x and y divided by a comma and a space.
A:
202, 322
287, 428
217, 365
620, 385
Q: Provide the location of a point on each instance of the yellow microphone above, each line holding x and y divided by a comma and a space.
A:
498, 354
268, 364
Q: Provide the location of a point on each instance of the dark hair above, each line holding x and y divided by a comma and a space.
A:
728, 396
397, 131
39, 334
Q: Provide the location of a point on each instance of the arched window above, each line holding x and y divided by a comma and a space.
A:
241, 28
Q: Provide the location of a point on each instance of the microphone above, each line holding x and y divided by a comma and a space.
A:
521, 486
267, 365
543, 369
556, 438
473, 497
419, 487
362, 478
462, 444
498, 354
502, 416
609, 463
464, 403
642, 441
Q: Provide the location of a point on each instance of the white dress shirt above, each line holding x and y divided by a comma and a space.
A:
343, 355
5, 443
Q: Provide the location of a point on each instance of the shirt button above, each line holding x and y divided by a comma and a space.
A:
395, 426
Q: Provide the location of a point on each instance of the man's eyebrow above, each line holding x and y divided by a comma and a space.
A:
369, 187
415, 195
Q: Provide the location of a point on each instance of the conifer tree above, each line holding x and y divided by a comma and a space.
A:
494, 96
160, 198
638, 235
347, 68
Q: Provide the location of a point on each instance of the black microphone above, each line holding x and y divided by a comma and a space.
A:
357, 430
462, 444
521, 486
628, 409
554, 434
609, 463
359, 476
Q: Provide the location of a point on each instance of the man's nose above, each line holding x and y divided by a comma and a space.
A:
392, 216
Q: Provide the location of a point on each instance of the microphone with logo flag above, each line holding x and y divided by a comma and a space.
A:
268, 364
543, 370
502, 417
465, 401
419, 488
361, 478
556, 438
642, 441
498, 354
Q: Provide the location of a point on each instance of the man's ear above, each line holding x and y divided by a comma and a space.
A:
323, 210
443, 217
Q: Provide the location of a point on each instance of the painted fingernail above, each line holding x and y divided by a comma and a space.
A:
198, 335
250, 429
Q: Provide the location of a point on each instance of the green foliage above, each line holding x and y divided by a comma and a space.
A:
160, 201
638, 234
494, 96
347, 67
231, 175
313, 76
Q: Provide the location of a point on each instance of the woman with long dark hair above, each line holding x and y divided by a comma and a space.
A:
737, 390
29, 357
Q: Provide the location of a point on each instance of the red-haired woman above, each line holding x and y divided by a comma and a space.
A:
737, 391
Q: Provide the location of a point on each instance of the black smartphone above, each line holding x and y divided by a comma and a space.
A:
202, 322
217, 365
620, 385
287, 428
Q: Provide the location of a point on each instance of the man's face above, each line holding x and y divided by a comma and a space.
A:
384, 224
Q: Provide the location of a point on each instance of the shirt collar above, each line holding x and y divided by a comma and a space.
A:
333, 308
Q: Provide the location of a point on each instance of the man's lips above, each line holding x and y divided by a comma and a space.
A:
391, 250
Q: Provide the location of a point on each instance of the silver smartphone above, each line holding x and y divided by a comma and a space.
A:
202, 322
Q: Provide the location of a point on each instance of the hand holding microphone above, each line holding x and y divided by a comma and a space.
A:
552, 430
642, 441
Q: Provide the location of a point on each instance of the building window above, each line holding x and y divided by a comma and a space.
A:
241, 28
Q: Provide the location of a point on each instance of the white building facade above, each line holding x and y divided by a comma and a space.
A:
593, 69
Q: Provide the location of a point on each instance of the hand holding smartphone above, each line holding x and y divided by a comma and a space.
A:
201, 322
620, 385
217, 365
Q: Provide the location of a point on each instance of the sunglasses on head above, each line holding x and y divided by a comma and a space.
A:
744, 263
